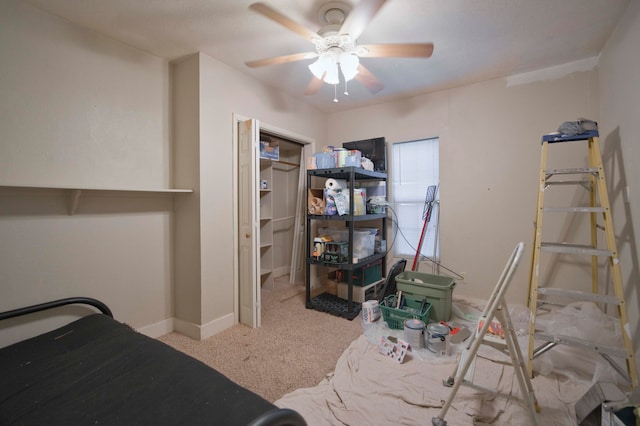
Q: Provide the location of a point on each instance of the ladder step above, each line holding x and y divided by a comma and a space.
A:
574, 209
616, 351
574, 249
584, 183
559, 137
578, 295
573, 171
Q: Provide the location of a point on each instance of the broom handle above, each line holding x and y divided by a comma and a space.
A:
424, 231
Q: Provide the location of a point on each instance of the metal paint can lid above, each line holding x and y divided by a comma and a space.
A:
438, 329
414, 324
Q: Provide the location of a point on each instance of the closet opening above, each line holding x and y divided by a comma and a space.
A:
280, 189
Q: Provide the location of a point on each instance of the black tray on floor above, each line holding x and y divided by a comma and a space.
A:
334, 305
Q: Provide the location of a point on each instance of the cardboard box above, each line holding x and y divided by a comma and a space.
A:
331, 284
315, 201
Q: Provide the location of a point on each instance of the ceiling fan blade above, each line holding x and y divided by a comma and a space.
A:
314, 86
358, 19
281, 59
368, 80
283, 20
405, 50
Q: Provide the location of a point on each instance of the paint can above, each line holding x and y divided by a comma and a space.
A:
370, 311
438, 339
414, 333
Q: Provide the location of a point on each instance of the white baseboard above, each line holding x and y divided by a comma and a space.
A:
195, 331
216, 326
201, 332
158, 329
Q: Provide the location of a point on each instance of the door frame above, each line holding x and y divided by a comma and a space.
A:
307, 144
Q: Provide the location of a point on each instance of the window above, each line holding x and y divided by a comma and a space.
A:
415, 167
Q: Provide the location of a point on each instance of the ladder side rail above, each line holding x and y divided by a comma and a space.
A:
532, 300
537, 227
593, 163
517, 360
614, 263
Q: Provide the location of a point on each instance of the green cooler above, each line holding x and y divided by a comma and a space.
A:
436, 288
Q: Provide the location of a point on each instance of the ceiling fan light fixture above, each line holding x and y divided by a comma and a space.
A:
332, 76
321, 65
317, 69
349, 65
326, 66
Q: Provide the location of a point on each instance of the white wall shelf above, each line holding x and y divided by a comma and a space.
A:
75, 192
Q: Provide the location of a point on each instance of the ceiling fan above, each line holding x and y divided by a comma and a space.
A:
335, 45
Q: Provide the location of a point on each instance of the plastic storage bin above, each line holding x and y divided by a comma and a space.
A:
325, 160
353, 159
436, 288
412, 308
364, 239
269, 150
361, 277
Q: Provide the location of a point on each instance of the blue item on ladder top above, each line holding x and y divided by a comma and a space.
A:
559, 137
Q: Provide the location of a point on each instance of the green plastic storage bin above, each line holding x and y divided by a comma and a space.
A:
436, 288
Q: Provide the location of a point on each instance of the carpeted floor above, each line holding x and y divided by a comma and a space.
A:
294, 348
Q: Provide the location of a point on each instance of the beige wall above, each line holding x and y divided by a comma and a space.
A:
490, 156
82, 110
226, 92
619, 86
78, 109
221, 93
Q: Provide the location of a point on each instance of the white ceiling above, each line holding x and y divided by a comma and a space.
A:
474, 40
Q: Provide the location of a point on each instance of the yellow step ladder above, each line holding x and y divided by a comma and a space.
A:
598, 207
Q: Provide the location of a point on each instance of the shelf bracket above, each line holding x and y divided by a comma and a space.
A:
74, 198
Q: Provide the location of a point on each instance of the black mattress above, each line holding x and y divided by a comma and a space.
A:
99, 371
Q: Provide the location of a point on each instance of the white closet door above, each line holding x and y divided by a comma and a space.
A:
248, 219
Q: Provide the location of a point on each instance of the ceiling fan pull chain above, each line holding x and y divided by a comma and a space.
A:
335, 93
346, 91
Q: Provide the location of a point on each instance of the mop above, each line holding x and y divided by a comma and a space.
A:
426, 217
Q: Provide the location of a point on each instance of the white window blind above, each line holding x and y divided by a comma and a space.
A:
416, 166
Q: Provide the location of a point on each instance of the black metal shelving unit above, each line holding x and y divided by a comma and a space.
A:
328, 302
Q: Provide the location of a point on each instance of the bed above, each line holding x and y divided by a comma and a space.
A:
99, 371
